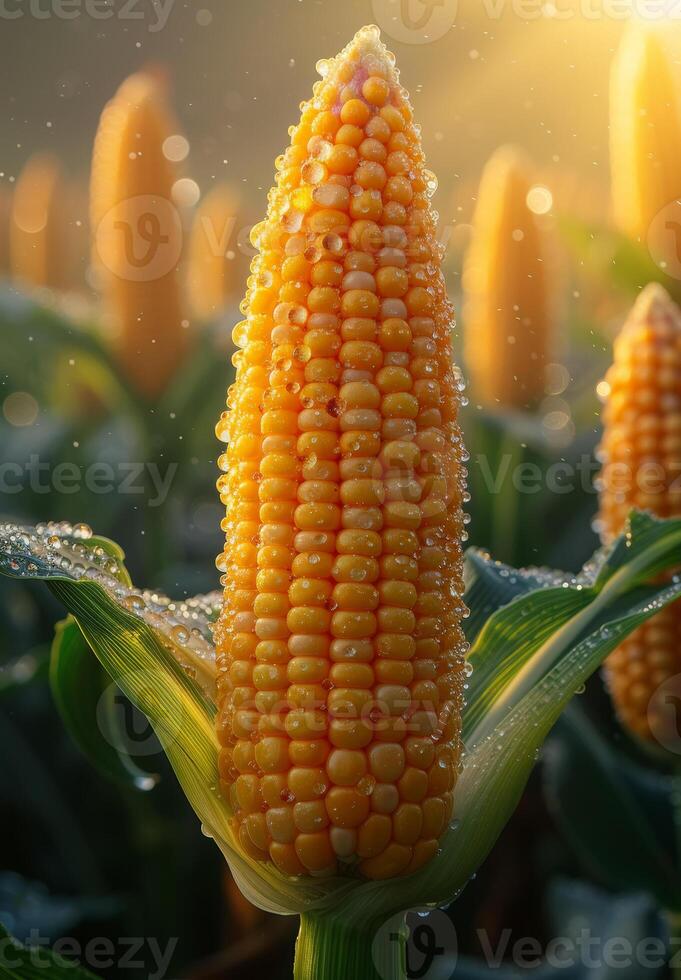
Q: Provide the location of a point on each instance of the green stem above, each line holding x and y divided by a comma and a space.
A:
506, 504
332, 948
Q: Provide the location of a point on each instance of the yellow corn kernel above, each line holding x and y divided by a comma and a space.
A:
362, 554
42, 226
210, 273
137, 233
507, 317
641, 453
645, 132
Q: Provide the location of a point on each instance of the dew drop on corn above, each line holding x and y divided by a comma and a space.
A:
340, 650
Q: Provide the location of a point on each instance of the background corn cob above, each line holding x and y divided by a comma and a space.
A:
132, 218
645, 135
507, 322
340, 651
211, 273
641, 453
40, 233
5, 225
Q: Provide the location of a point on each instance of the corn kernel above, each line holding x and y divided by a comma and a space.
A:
343, 550
643, 476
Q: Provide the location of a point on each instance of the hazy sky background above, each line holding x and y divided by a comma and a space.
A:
239, 68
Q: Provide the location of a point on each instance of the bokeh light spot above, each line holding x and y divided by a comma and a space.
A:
186, 192
175, 148
20, 408
539, 199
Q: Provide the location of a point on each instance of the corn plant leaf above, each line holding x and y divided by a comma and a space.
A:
493, 584
198, 391
80, 686
618, 816
530, 657
27, 326
19, 962
518, 486
609, 255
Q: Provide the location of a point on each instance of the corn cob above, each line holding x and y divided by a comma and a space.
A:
39, 254
340, 650
210, 271
506, 314
137, 233
5, 227
641, 453
645, 135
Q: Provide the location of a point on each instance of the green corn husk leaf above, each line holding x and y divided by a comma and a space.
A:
618, 816
492, 584
19, 962
528, 660
81, 688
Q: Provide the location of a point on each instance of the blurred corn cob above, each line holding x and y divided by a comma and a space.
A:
340, 650
641, 453
645, 133
579, 195
41, 226
210, 272
507, 319
5, 226
137, 233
